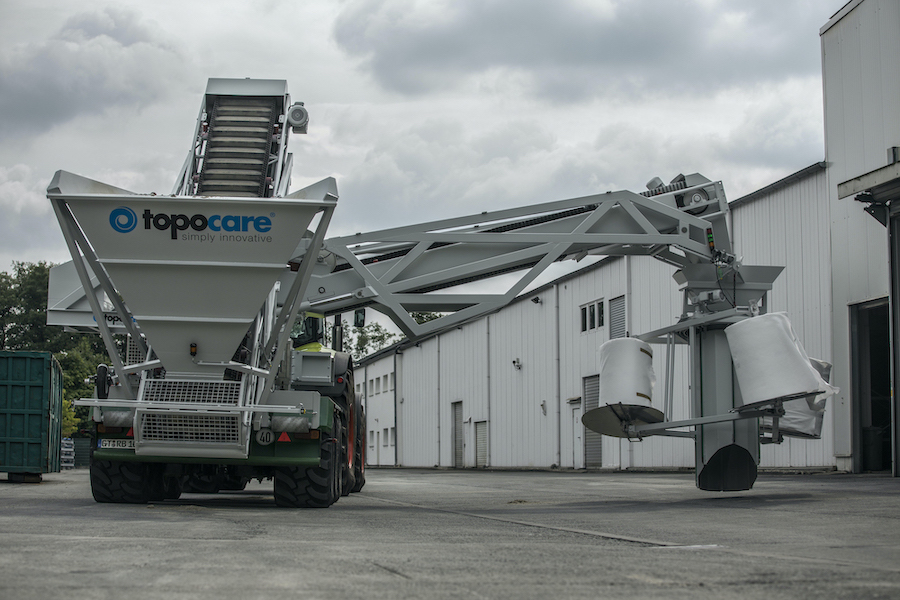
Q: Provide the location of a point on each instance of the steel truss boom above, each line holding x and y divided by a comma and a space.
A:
401, 270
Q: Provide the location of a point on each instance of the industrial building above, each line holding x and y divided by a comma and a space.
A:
509, 389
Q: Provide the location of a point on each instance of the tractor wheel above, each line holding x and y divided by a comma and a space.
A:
172, 488
119, 482
348, 401
234, 483
312, 487
359, 461
202, 484
161, 487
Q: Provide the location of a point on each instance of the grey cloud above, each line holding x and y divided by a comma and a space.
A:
774, 135
439, 169
568, 52
96, 61
119, 25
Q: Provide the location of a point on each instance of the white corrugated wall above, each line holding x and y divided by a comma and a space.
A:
861, 82
790, 227
417, 406
523, 387
464, 378
377, 385
655, 303
578, 350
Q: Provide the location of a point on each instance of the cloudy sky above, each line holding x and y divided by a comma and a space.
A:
420, 109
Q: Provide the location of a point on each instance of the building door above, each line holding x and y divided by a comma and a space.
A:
481, 446
577, 435
457, 435
593, 441
871, 373
377, 447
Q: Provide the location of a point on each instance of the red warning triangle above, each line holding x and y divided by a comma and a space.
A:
284, 437
130, 432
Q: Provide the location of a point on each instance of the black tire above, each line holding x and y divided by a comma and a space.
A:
339, 457
312, 487
119, 482
172, 488
359, 461
102, 381
160, 487
233, 483
202, 484
348, 402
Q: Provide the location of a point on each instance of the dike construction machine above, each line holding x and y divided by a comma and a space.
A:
210, 301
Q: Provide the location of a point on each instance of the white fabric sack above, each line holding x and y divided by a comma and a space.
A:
626, 372
803, 418
770, 361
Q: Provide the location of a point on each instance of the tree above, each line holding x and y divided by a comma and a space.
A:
370, 339
362, 341
424, 317
23, 311
23, 326
71, 424
79, 364
7, 305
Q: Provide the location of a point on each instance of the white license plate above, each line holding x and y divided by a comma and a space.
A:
117, 444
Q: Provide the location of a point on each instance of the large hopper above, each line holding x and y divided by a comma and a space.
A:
192, 271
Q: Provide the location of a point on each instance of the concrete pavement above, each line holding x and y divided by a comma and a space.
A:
451, 534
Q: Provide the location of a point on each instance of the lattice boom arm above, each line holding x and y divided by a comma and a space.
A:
396, 270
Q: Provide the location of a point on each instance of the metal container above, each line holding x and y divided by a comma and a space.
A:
30, 413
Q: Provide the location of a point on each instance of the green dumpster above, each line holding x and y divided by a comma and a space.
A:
30, 414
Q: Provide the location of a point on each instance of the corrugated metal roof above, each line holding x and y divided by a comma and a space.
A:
781, 183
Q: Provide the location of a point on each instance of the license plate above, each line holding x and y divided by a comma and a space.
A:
129, 444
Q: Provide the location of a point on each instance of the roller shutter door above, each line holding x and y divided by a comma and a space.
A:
481, 443
457, 435
593, 441
617, 324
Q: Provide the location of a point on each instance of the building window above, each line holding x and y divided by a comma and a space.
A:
392, 381
592, 316
384, 437
393, 436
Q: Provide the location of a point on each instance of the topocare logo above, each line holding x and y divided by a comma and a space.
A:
124, 220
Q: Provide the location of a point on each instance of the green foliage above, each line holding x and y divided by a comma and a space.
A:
362, 341
79, 364
369, 339
71, 424
7, 305
23, 326
23, 311
424, 317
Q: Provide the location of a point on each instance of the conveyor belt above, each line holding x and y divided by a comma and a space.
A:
237, 150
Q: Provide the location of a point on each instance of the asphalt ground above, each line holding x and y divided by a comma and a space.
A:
462, 534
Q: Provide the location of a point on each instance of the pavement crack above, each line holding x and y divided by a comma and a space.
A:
600, 534
391, 570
